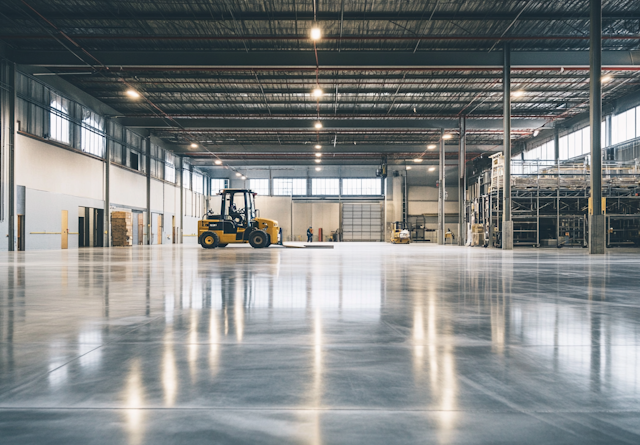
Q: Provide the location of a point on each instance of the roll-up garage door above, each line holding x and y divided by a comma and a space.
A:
362, 222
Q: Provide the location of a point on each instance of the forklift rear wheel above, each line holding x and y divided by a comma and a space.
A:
209, 240
259, 239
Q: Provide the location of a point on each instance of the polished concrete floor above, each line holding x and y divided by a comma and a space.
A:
365, 343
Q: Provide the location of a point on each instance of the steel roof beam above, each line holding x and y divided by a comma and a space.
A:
356, 60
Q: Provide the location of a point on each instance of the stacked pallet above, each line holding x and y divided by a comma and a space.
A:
121, 229
477, 231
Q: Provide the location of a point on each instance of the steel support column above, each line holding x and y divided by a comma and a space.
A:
507, 224
596, 218
147, 143
556, 144
441, 190
180, 230
462, 183
11, 139
107, 188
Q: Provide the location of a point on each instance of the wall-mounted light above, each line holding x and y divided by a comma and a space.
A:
318, 125
218, 162
133, 93
316, 33
431, 147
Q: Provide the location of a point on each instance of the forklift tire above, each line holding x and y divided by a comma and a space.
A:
209, 240
222, 245
259, 239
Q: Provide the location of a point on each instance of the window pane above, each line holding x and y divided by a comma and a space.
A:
289, 186
325, 186
92, 133
198, 185
259, 186
586, 140
218, 184
358, 187
564, 148
59, 119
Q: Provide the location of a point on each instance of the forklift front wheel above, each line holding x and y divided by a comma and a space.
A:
259, 239
209, 240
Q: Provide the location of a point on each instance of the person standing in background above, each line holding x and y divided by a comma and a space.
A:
309, 235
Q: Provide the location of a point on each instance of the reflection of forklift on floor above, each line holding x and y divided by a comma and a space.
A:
237, 223
400, 234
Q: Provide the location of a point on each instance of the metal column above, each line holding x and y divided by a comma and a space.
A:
596, 218
11, 133
462, 183
507, 225
147, 142
181, 231
556, 144
107, 189
441, 190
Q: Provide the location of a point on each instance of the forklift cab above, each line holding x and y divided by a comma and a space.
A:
238, 206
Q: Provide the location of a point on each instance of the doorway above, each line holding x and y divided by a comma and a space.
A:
64, 232
159, 229
173, 229
21, 238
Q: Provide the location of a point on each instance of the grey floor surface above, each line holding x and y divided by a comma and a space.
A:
365, 343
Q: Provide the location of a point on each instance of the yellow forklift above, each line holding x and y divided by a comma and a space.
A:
400, 233
237, 223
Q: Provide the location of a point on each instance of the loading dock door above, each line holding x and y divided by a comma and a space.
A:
362, 222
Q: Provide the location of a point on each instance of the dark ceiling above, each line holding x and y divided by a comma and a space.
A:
435, 61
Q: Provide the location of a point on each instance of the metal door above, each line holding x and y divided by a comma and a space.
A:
362, 222
65, 230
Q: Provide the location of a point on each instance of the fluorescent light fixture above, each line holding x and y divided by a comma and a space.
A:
536, 133
431, 147
243, 178
447, 136
318, 161
318, 155
318, 147
194, 145
316, 33
317, 92
318, 169
318, 125
133, 93
417, 160
432, 169
218, 162
606, 78
238, 174
518, 93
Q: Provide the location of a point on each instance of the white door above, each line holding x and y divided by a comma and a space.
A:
362, 222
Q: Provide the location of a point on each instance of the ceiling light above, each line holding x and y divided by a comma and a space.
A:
133, 93
316, 33
218, 162
447, 136
417, 160
518, 93
243, 178
194, 145
318, 169
318, 161
431, 169
431, 147
317, 92
536, 133
318, 155
238, 174
318, 125
318, 147
606, 78
408, 167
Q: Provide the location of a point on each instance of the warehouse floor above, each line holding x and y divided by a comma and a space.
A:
365, 343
